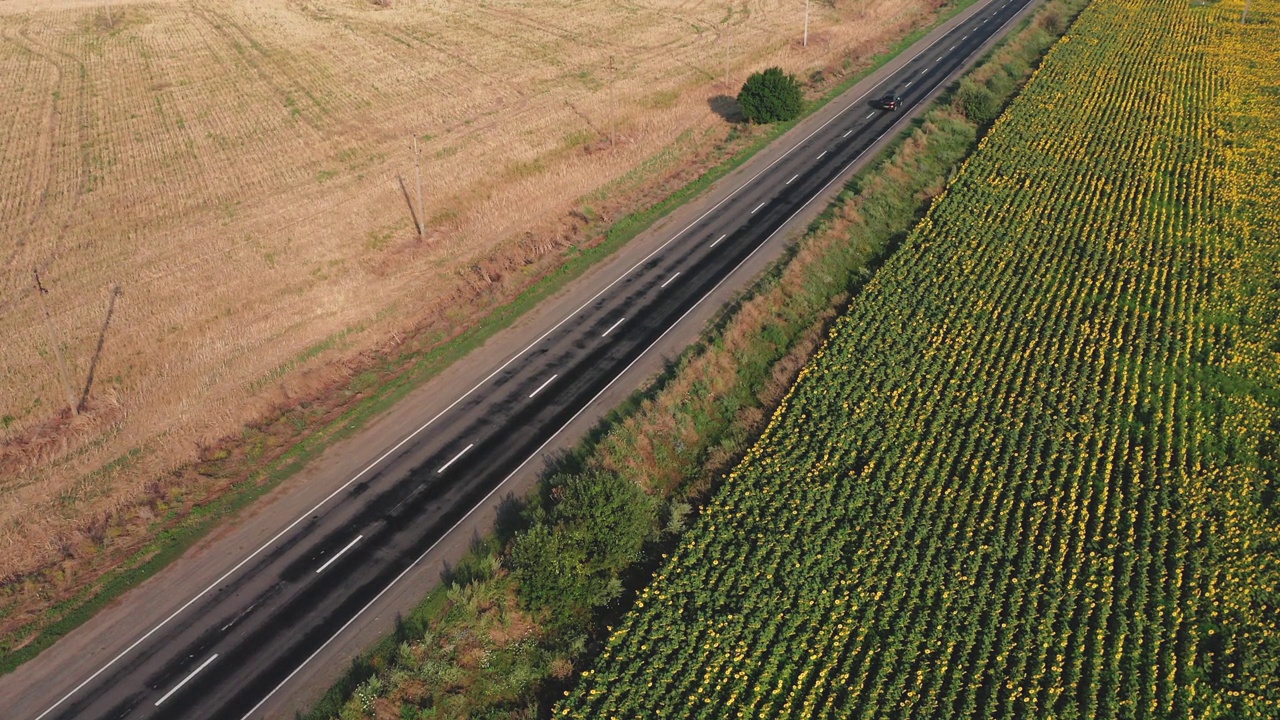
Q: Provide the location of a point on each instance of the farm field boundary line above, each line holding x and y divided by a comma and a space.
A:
172, 541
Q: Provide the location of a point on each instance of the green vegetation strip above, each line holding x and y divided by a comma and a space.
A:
533, 601
183, 532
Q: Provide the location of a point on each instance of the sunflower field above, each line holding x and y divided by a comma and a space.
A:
1033, 470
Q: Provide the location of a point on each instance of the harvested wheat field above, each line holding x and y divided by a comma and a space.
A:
234, 165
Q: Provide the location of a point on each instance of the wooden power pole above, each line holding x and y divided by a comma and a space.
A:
417, 167
53, 340
727, 39
806, 23
613, 104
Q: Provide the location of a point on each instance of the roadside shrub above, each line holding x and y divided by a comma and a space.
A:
1053, 22
977, 102
609, 515
771, 96
569, 561
551, 569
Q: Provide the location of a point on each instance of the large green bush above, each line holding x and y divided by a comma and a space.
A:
771, 96
569, 560
977, 102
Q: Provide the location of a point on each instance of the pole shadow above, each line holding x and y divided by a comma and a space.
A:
97, 352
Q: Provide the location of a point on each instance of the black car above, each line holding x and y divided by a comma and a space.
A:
889, 102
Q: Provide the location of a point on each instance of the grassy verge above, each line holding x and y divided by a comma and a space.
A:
238, 478
508, 633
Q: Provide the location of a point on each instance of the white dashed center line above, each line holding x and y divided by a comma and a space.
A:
212, 658
335, 557
909, 83
753, 212
544, 385
824, 152
612, 328
668, 282
455, 458
187, 679
924, 71
793, 179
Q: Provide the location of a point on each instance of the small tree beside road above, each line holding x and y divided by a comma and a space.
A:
771, 96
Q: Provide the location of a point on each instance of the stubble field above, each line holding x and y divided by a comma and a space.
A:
234, 167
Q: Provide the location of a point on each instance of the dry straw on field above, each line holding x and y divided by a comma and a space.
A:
234, 166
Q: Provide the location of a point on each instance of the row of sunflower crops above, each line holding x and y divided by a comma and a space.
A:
1032, 471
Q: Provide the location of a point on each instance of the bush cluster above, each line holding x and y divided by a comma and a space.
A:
771, 96
570, 558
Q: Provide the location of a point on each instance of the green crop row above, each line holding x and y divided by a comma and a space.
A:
1027, 474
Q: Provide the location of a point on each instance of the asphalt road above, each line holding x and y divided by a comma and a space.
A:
226, 650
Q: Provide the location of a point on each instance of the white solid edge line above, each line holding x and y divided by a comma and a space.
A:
455, 458
766, 202
717, 242
187, 679
491, 375
583, 409
612, 327
668, 282
544, 385
793, 177
340, 552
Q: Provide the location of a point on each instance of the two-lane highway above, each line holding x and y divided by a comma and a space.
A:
229, 648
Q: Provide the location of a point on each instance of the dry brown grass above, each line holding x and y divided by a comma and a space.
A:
234, 164
641, 449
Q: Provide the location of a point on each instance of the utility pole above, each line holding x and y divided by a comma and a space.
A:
420, 220
1244, 14
53, 340
806, 23
110, 23
613, 104
728, 37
